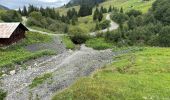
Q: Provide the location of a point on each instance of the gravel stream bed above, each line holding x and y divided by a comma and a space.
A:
65, 68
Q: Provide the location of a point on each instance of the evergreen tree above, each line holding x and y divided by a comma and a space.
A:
121, 10
96, 14
24, 11
110, 9
132, 22
19, 11
85, 10
100, 17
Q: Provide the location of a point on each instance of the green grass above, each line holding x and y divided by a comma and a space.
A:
68, 43
86, 23
63, 10
129, 4
41, 29
143, 75
39, 80
16, 54
98, 44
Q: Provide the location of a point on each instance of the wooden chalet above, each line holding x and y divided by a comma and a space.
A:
11, 33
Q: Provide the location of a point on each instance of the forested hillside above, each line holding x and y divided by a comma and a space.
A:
81, 2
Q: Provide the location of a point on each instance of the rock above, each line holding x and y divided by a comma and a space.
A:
12, 72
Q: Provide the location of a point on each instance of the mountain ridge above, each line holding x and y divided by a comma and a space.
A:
3, 7
81, 2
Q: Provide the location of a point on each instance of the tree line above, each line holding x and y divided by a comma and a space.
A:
152, 28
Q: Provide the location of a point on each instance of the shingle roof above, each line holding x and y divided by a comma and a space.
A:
6, 29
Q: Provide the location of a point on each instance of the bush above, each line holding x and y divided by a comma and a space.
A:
164, 37
119, 17
78, 36
104, 24
134, 13
11, 16
36, 19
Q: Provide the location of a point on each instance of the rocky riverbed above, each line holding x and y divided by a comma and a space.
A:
65, 67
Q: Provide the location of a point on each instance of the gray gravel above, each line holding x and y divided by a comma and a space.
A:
66, 68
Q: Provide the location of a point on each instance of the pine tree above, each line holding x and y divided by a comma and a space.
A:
121, 10
24, 11
96, 14
100, 17
132, 22
110, 9
19, 11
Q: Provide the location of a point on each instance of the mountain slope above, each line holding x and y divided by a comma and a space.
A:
3, 7
80, 2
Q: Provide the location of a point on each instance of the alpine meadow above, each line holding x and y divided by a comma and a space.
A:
85, 50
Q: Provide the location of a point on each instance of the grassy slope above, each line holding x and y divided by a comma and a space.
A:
17, 53
136, 76
98, 44
129, 4
87, 22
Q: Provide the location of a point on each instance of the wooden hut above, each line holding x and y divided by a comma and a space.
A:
11, 33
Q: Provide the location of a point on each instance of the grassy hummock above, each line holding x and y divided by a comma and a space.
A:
39, 80
142, 75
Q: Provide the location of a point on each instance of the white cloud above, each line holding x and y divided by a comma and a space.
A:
50, 0
15, 4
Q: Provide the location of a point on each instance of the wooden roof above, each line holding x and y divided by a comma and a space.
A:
7, 29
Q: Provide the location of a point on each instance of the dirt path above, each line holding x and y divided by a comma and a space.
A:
112, 27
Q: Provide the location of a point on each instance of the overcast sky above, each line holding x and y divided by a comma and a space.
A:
15, 4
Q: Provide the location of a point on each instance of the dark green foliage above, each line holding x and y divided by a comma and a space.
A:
11, 16
121, 10
24, 12
81, 2
72, 15
2, 94
134, 13
85, 10
110, 9
103, 25
98, 15
161, 11
149, 29
164, 37
119, 17
132, 22
78, 36
36, 19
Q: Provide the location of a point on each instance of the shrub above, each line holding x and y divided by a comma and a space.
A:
104, 24
119, 17
134, 13
11, 16
78, 36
